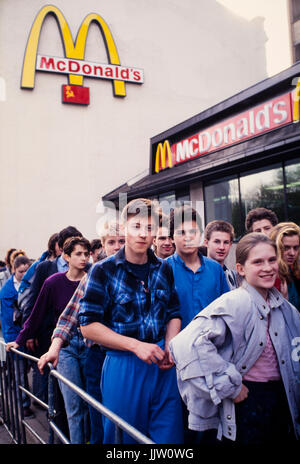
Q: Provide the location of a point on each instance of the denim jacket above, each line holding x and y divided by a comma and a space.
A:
222, 343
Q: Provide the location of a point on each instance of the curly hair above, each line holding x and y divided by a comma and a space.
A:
277, 235
258, 214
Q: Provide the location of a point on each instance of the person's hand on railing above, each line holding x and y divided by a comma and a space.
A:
51, 355
11, 345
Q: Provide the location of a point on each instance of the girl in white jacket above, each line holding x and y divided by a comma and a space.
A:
238, 361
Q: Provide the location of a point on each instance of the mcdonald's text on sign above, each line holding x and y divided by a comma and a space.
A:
73, 63
268, 116
88, 69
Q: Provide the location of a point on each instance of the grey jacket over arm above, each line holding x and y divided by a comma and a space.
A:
222, 343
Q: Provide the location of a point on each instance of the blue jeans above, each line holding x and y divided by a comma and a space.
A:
93, 369
71, 365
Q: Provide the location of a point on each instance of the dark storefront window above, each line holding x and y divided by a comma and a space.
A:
263, 189
222, 202
292, 178
276, 188
172, 199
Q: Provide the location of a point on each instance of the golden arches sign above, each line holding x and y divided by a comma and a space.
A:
163, 153
75, 51
296, 98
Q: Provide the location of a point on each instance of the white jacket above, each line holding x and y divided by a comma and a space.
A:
222, 343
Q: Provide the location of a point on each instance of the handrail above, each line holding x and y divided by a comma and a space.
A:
120, 424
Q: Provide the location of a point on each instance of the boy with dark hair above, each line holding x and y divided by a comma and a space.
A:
65, 233
96, 247
261, 220
130, 306
198, 280
163, 241
218, 238
46, 268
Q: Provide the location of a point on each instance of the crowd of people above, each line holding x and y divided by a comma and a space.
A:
151, 321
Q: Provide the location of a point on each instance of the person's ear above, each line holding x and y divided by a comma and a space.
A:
240, 269
66, 257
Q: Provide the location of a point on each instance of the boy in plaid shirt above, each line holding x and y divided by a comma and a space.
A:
131, 307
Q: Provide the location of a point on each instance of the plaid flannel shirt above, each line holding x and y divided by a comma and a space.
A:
68, 323
115, 297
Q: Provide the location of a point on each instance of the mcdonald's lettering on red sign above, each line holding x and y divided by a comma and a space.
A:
73, 63
268, 116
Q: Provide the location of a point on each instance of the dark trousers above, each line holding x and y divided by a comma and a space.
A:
264, 417
93, 368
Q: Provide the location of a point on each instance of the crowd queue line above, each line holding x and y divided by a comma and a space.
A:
160, 330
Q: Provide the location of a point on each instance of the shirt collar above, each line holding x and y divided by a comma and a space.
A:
275, 298
16, 282
121, 260
62, 261
180, 260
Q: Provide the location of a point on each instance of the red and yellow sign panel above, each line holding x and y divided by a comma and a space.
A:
73, 63
268, 116
75, 94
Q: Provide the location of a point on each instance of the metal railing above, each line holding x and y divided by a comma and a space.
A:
12, 387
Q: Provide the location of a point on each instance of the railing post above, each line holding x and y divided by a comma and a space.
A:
3, 390
51, 410
19, 399
11, 381
10, 367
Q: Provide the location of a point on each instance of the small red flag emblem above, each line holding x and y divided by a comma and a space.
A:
76, 94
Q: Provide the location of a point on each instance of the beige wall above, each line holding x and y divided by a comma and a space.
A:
58, 160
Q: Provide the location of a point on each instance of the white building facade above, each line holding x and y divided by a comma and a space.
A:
59, 158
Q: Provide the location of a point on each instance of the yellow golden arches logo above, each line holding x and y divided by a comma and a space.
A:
163, 153
296, 97
75, 51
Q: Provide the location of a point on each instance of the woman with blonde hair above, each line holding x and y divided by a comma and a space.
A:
287, 239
